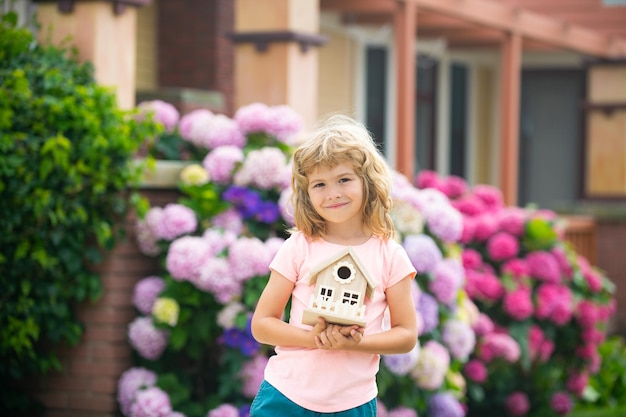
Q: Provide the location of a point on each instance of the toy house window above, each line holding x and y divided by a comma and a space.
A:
350, 297
326, 293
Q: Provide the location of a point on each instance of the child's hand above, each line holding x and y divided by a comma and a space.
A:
337, 337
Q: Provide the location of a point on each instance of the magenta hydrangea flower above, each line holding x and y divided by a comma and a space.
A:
146, 291
252, 373
130, 382
427, 179
502, 246
186, 256
518, 303
587, 313
146, 339
176, 220
476, 371
423, 252
445, 404
555, 303
577, 382
512, 220
544, 266
471, 258
539, 347
459, 338
221, 162
499, 345
517, 267
470, 205
224, 410
484, 325
485, 225
483, 285
455, 186
491, 196
517, 404
162, 112
151, 402
402, 363
561, 403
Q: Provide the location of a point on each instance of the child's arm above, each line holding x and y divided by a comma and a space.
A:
400, 338
268, 326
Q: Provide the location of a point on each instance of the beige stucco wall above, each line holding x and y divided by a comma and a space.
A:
338, 69
146, 58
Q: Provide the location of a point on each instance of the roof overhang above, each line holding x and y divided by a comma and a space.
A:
480, 23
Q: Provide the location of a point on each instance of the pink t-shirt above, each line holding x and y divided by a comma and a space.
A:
331, 381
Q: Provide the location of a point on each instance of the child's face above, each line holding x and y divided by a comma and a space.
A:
336, 193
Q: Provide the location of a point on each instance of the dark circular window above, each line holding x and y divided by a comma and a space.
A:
344, 272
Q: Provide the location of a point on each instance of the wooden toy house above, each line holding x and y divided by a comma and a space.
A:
341, 286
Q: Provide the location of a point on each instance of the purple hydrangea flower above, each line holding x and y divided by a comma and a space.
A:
146, 291
459, 337
146, 339
428, 309
444, 404
423, 252
444, 221
252, 374
401, 364
131, 381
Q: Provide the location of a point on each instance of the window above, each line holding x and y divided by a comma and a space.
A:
326, 293
350, 297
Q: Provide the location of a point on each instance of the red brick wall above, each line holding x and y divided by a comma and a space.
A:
87, 384
194, 48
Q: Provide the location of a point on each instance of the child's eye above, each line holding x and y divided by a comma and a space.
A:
318, 185
344, 180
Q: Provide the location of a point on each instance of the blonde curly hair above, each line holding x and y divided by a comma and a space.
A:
338, 139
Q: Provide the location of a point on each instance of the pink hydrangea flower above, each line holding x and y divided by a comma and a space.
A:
502, 246
447, 280
253, 118
484, 325
470, 205
489, 195
146, 339
454, 186
176, 220
224, 410
262, 168
512, 220
540, 348
427, 179
517, 404
485, 226
151, 402
146, 291
459, 337
444, 221
221, 162
483, 285
284, 124
248, 257
186, 256
517, 267
251, 374
217, 277
222, 131
402, 412
587, 313
194, 126
162, 112
229, 220
577, 382
518, 303
432, 365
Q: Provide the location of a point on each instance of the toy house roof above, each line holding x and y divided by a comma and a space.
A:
371, 284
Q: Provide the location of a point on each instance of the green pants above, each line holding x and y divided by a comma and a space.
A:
269, 402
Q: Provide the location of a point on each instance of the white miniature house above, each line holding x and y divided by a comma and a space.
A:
341, 286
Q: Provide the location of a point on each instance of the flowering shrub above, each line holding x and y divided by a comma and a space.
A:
195, 352
543, 308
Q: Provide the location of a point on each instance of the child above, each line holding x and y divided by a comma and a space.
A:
341, 197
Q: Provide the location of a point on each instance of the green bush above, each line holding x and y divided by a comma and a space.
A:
66, 177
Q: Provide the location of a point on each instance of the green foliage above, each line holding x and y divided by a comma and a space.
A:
65, 178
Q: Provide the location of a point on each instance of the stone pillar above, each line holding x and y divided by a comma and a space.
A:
276, 58
104, 33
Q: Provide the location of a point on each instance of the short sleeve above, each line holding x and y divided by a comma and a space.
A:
287, 259
400, 265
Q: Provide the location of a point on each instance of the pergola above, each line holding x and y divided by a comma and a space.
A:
473, 23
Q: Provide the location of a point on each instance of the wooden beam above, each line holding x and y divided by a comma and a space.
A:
380, 6
405, 17
529, 24
510, 82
